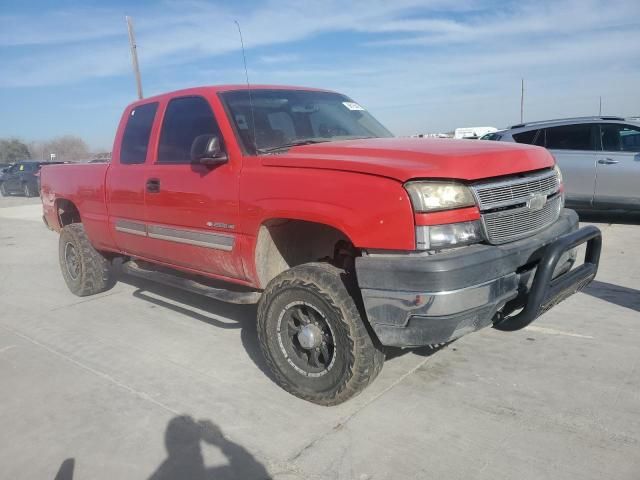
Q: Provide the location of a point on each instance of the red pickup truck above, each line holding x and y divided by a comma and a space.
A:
347, 238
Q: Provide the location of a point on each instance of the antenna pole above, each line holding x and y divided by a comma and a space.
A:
134, 56
600, 111
522, 102
246, 76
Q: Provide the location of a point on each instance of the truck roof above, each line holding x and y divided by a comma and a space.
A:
212, 89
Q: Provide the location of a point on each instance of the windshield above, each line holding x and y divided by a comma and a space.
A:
285, 118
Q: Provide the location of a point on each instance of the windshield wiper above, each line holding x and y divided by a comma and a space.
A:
295, 143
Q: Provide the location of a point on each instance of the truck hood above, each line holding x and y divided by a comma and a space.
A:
408, 158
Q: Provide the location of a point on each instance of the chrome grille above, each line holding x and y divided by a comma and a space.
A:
504, 207
508, 225
510, 192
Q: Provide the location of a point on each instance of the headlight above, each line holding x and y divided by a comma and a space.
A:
434, 196
556, 168
558, 173
436, 237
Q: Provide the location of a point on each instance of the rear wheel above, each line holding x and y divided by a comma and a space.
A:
313, 336
85, 270
3, 190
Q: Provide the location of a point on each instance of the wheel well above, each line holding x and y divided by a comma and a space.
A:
67, 212
284, 243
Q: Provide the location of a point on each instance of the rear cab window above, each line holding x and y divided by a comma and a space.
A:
135, 141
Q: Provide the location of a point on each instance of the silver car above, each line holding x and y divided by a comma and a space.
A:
599, 158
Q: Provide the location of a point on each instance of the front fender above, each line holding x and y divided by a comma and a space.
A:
373, 212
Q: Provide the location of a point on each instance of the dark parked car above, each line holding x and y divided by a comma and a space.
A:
3, 170
22, 178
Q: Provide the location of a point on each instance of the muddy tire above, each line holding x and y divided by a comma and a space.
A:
85, 270
313, 336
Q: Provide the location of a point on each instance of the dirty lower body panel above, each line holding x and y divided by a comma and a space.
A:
419, 299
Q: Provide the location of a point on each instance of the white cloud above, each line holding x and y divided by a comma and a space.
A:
280, 58
186, 32
521, 21
420, 64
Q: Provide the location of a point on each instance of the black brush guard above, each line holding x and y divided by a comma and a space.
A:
546, 292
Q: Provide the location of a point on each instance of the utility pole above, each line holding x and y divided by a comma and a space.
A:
522, 102
134, 56
600, 110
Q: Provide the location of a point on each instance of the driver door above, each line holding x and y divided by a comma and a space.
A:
191, 208
574, 148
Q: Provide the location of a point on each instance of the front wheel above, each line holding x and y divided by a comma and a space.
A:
85, 270
27, 191
313, 336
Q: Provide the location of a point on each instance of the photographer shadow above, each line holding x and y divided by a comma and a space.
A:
183, 440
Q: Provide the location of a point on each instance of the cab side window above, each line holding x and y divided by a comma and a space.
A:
135, 140
570, 137
186, 119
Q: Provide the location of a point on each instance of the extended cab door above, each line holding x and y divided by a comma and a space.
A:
618, 167
573, 147
191, 209
126, 178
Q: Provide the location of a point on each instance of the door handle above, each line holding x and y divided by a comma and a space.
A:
608, 161
153, 185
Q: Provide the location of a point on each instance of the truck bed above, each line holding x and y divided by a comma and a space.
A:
84, 185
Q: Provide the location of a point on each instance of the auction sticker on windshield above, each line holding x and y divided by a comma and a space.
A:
352, 106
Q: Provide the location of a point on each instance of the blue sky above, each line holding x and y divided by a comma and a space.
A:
418, 66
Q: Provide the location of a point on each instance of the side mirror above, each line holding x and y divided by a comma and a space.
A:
207, 150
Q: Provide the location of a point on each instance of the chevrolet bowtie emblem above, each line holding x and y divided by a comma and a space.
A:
536, 202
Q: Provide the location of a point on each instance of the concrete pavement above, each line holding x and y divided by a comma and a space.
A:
113, 386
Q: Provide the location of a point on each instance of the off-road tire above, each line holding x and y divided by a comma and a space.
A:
358, 357
95, 273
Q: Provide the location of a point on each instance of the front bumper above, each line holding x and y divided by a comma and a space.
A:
419, 299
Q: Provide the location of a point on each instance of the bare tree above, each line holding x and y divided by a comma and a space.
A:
13, 150
67, 148
38, 150
102, 156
